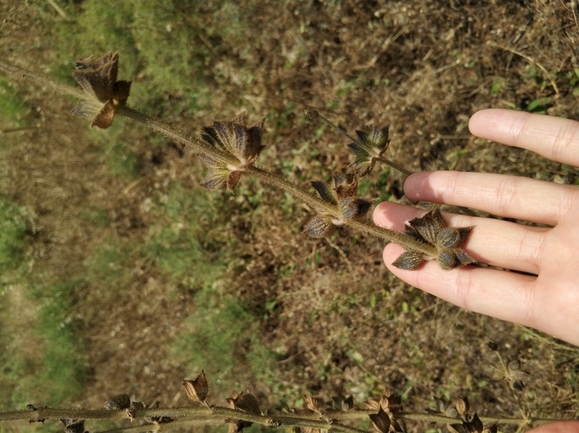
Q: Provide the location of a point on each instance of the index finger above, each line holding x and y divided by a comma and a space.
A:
552, 137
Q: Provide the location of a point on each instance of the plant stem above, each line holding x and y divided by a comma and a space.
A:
279, 182
203, 415
179, 136
345, 134
206, 150
395, 166
323, 206
44, 81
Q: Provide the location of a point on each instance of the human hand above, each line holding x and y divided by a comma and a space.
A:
548, 300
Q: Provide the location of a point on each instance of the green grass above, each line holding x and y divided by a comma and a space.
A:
43, 361
185, 244
221, 338
15, 226
147, 35
12, 108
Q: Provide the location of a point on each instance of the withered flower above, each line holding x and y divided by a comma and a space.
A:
342, 193
197, 389
475, 425
245, 402
380, 421
158, 419
117, 402
105, 94
235, 139
370, 147
73, 425
314, 404
432, 229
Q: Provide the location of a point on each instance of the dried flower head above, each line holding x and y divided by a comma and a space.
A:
368, 149
117, 402
197, 389
73, 425
343, 194
105, 94
432, 229
475, 425
236, 140
245, 402
380, 421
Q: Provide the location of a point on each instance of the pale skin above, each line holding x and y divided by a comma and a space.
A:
548, 299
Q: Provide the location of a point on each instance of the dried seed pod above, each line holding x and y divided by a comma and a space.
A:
117, 402
354, 208
345, 184
311, 113
409, 260
452, 237
73, 425
314, 404
462, 406
105, 94
237, 140
370, 147
380, 421
246, 403
324, 192
197, 389
320, 227
431, 229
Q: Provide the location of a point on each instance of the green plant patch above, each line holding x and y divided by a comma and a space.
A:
220, 339
12, 108
15, 226
43, 358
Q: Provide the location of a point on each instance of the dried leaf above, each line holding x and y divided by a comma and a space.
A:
236, 139
313, 404
197, 389
409, 260
476, 424
246, 403
462, 406
105, 95
324, 192
320, 227
370, 147
345, 185
73, 425
354, 208
380, 421
432, 229
118, 402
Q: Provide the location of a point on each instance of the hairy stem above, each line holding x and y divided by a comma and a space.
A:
204, 415
320, 205
345, 134
206, 150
